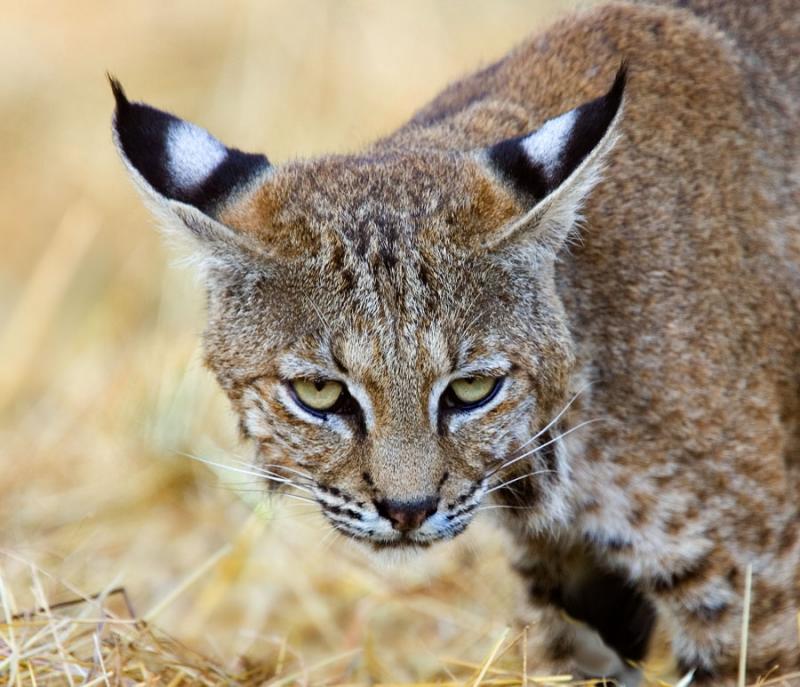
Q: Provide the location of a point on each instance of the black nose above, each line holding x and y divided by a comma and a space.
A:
406, 516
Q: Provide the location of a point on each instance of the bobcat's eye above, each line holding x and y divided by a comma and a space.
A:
470, 392
318, 395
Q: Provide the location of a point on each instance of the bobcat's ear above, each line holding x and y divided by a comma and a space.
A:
553, 169
186, 173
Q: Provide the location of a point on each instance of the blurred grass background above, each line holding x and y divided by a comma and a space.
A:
101, 389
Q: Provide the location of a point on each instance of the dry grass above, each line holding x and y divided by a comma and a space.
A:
102, 394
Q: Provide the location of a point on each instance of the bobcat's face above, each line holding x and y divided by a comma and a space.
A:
383, 354
385, 324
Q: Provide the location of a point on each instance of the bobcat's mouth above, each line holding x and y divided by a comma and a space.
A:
369, 524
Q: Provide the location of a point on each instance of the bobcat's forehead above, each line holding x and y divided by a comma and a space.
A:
374, 208
371, 256
341, 309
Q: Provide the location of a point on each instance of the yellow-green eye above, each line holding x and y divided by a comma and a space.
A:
471, 391
318, 395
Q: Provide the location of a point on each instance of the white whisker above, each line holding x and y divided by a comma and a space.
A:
511, 462
269, 474
557, 417
473, 322
297, 497
329, 538
263, 466
326, 325
250, 473
299, 473
517, 479
549, 424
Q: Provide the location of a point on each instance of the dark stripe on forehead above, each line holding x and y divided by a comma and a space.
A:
388, 241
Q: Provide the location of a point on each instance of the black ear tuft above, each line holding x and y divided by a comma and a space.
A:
592, 122
538, 163
117, 90
177, 159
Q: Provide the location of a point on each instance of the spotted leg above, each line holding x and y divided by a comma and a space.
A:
584, 620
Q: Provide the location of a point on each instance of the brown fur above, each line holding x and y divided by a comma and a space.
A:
679, 302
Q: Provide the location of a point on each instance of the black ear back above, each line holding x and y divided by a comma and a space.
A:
178, 159
537, 164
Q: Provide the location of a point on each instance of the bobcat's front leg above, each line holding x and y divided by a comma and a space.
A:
702, 605
558, 645
584, 621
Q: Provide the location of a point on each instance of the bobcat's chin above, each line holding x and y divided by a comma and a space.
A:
397, 552
382, 542
393, 556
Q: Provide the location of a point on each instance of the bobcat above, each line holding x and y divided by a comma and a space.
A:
581, 307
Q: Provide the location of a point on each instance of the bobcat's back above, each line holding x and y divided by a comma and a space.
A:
765, 35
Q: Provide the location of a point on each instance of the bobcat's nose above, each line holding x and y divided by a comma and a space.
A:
407, 516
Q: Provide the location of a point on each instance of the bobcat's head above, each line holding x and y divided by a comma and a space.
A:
385, 324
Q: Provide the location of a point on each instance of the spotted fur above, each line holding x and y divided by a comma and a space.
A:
643, 447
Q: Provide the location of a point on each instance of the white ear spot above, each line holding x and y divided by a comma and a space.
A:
192, 154
546, 145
